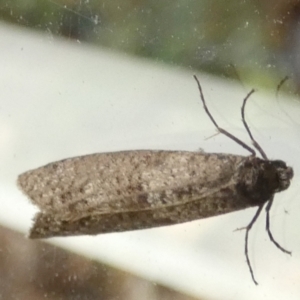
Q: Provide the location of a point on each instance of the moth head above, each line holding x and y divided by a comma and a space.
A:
260, 179
284, 174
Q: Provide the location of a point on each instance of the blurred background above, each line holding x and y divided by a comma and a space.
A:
257, 41
253, 41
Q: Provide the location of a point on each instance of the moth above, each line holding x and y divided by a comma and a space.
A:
129, 190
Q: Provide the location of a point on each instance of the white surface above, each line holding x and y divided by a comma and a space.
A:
61, 99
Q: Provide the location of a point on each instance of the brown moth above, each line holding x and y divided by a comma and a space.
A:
129, 190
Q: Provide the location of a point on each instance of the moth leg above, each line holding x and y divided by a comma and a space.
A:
268, 208
248, 228
254, 142
221, 130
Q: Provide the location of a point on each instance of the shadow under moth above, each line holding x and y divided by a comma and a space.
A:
129, 190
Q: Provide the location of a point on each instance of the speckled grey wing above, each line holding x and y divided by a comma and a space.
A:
130, 190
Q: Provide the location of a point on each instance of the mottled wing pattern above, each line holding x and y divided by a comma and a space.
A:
142, 184
49, 225
122, 181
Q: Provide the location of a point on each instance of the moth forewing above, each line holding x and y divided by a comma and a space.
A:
100, 193
213, 203
121, 181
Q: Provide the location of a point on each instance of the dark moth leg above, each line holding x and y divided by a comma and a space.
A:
269, 203
260, 150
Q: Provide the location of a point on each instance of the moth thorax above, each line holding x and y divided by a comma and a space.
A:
284, 174
259, 180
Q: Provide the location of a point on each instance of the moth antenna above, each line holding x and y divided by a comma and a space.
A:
254, 142
257, 146
280, 84
264, 156
268, 208
221, 130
